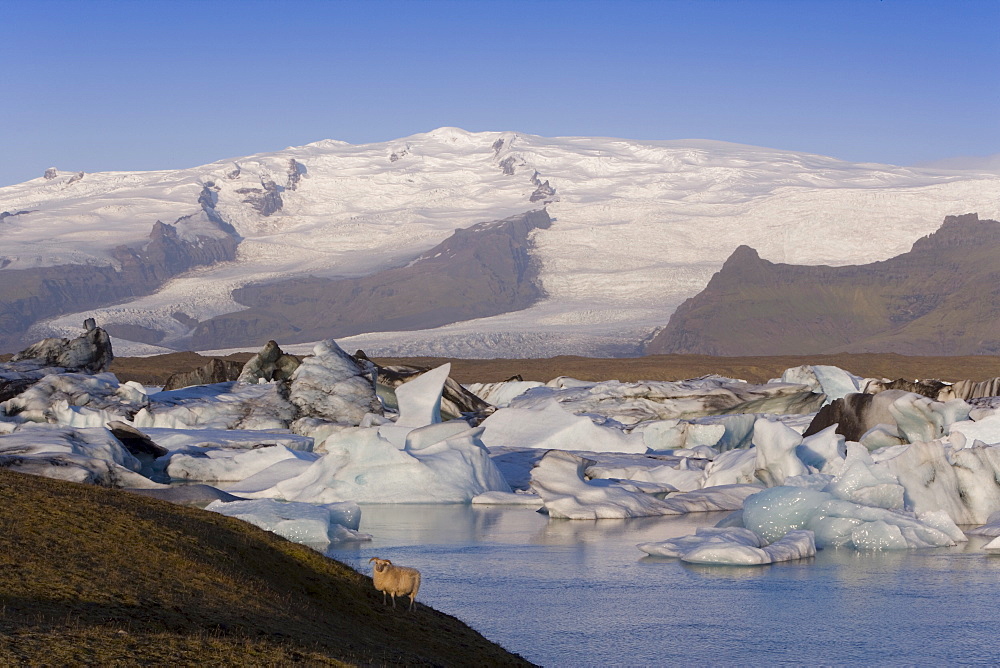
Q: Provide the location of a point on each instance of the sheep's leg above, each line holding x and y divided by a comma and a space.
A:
384, 602
413, 601
393, 596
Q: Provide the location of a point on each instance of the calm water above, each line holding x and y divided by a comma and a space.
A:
573, 593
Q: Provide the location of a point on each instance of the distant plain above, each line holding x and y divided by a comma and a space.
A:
155, 370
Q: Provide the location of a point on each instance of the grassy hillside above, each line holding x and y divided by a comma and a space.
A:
105, 577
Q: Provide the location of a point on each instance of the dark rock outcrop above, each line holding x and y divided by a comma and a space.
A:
543, 193
479, 271
940, 298
216, 371
266, 199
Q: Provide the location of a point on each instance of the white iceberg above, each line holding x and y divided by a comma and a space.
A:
734, 547
548, 426
559, 479
363, 466
92, 456
315, 525
330, 385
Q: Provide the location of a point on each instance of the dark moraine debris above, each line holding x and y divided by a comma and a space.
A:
456, 401
856, 413
483, 270
928, 388
970, 389
136, 442
847, 413
216, 371
271, 363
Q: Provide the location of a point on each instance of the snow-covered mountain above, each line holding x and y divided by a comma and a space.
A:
636, 228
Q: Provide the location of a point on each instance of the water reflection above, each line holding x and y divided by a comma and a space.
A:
564, 592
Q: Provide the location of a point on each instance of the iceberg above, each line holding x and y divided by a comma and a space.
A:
734, 547
315, 525
548, 426
559, 479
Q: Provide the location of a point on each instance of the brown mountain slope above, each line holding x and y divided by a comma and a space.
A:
479, 271
941, 298
104, 577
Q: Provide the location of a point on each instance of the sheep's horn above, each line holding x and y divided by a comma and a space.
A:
372, 559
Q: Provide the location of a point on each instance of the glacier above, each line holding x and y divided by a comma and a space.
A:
662, 217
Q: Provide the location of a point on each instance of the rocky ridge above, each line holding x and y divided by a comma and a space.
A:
940, 298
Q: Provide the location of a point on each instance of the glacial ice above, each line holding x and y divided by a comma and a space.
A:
985, 429
225, 464
419, 400
501, 394
734, 547
832, 381
90, 455
313, 524
546, 424
365, 467
631, 403
330, 385
559, 479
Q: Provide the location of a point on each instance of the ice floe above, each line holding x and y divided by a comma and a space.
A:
313, 524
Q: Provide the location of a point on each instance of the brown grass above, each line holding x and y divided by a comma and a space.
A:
91, 575
680, 367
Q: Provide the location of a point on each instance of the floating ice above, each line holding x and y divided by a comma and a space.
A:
315, 525
230, 464
832, 381
990, 528
71, 398
419, 400
632, 403
363, 466
734, 547
985, 429
559, 479
507, 499
775, 445
218, 406
91, 456
774, 512
501, 394
330, 385
547, 425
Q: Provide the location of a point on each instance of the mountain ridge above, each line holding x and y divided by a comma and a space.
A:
939, 298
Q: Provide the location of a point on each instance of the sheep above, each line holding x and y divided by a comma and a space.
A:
395, 580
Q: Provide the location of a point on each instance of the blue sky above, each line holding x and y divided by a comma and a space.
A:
98, 86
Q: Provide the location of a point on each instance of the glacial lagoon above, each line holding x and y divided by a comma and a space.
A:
579, 593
